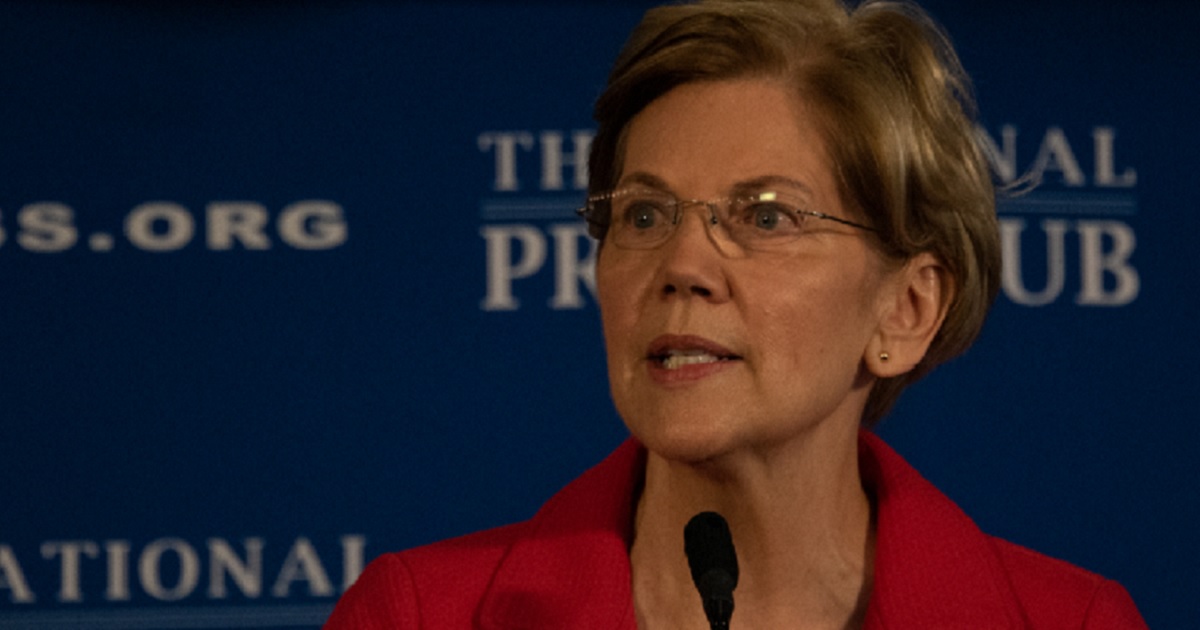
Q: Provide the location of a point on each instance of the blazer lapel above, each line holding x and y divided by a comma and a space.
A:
572, 570
934, 568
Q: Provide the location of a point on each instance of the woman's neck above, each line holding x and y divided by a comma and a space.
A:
801, 524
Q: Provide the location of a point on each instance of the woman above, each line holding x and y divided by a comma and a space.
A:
795, 223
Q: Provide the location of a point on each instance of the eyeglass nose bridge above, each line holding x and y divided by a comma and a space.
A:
715, 230
712, 205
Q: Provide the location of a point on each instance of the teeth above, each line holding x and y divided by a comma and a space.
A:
675, 361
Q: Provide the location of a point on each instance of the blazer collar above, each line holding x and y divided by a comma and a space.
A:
934, 568
571, 568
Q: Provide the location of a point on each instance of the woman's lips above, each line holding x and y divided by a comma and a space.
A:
682, 358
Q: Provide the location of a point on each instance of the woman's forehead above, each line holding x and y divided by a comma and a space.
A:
721, 136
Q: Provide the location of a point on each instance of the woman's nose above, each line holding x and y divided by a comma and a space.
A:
693, 265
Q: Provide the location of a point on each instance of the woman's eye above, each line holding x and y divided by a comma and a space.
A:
768, 216
643, 215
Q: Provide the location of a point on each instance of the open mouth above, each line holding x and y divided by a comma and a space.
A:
673, 353
674, 360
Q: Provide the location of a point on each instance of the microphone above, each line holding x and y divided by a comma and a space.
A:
713, 561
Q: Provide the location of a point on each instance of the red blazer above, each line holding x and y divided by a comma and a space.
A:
568, 567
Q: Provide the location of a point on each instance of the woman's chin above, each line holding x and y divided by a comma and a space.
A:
694, 440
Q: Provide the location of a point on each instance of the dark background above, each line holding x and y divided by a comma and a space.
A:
361, 389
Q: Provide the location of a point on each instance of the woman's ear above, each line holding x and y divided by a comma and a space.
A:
914, 306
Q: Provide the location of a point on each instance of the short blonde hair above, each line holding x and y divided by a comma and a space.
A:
896, 112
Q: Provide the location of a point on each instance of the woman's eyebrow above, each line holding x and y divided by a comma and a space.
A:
766, 181
745, 186
645, 179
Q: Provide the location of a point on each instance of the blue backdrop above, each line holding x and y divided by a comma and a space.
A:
284, 286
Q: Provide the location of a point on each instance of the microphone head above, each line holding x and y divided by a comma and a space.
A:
711, 556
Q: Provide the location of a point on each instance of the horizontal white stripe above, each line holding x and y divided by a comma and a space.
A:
530, 208
310, 615
1067, 203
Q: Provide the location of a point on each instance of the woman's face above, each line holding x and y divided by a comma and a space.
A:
712, 348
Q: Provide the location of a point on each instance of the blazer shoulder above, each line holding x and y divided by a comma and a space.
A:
382, 597
1058, 594
479, 552
434, 586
